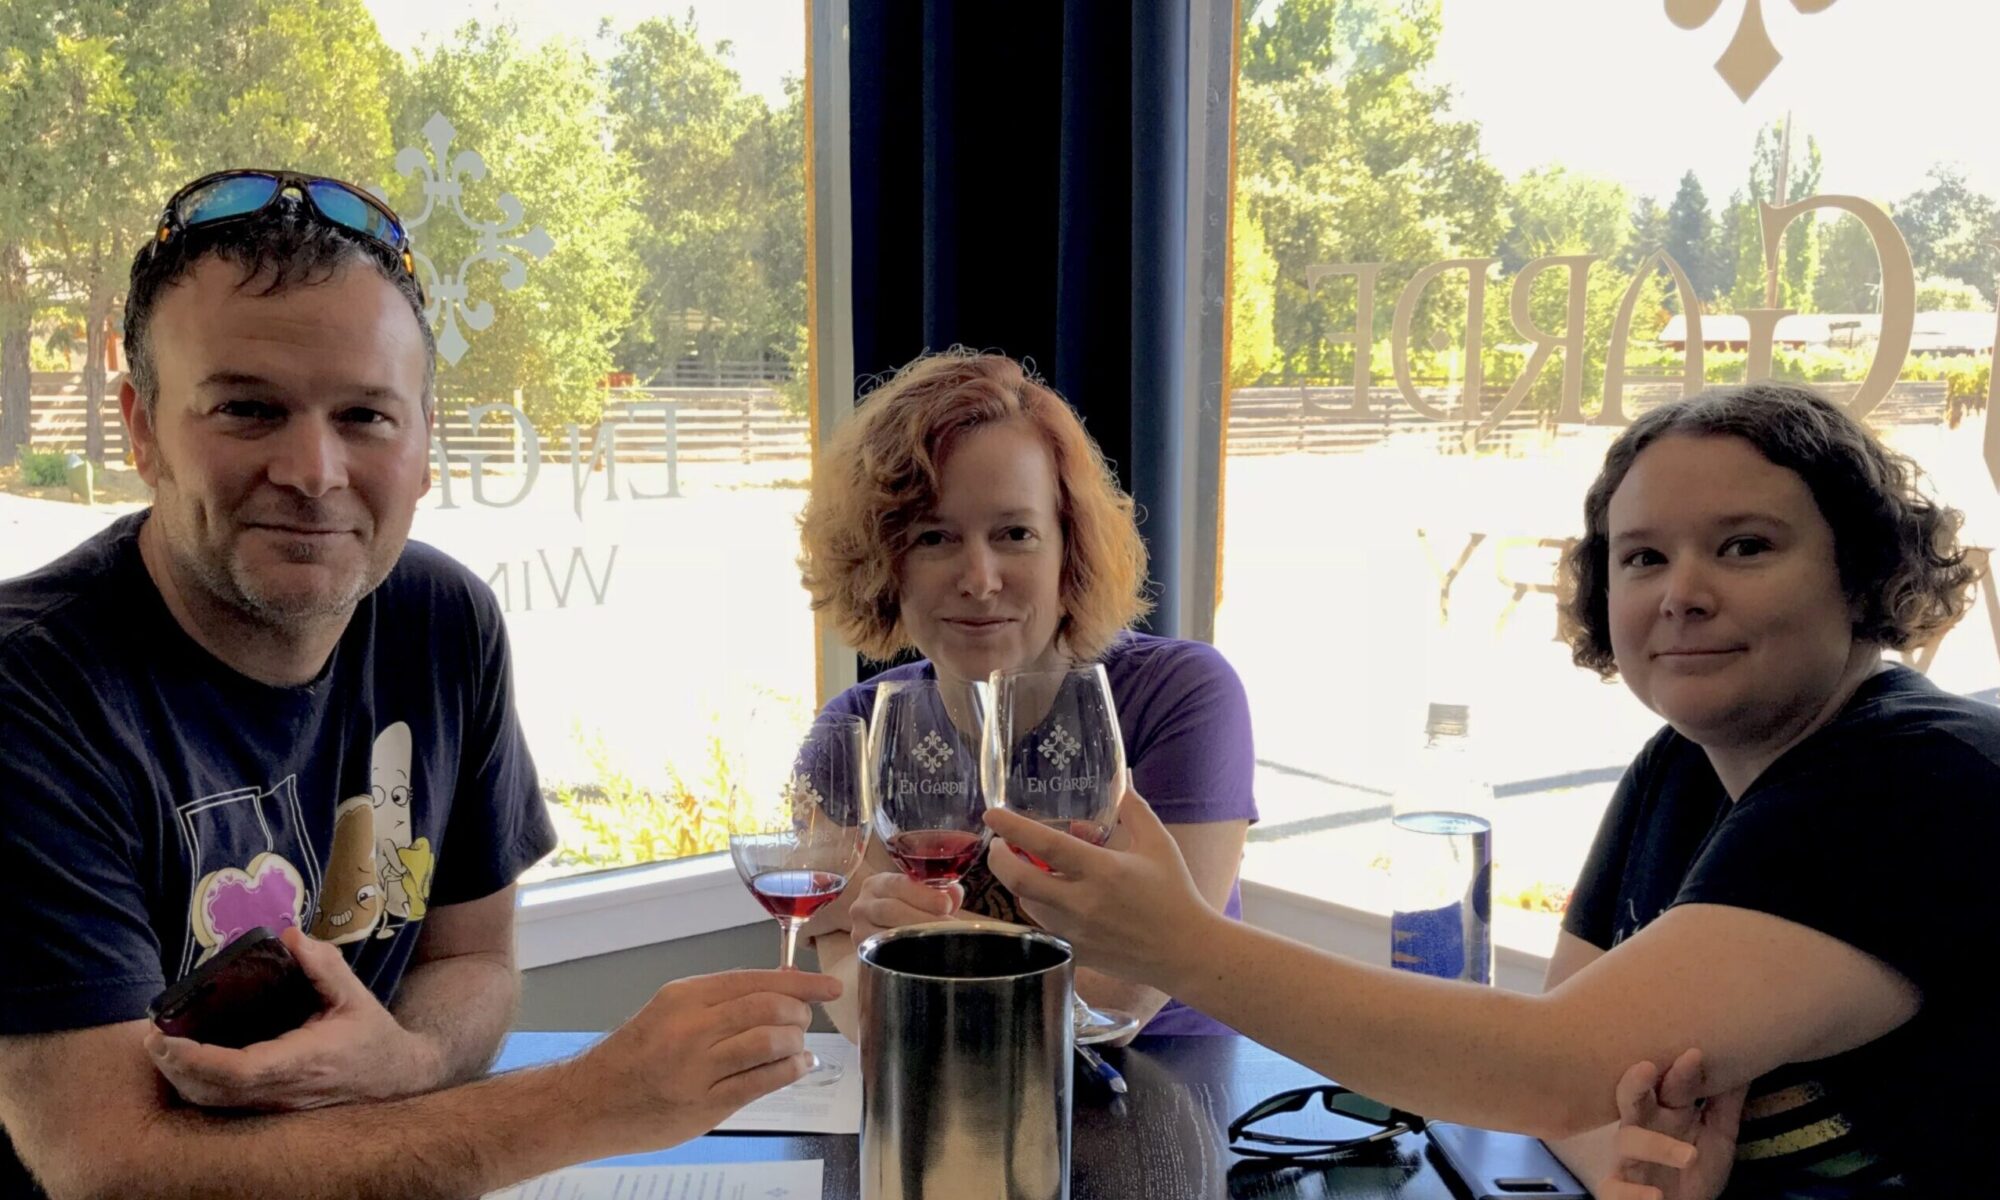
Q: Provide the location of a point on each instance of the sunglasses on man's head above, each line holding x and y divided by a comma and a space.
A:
234, 195
1301, 1142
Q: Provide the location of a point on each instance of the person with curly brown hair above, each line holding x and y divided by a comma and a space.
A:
965, 513
1793, 876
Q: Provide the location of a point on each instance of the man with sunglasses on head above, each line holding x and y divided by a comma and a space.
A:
257, 704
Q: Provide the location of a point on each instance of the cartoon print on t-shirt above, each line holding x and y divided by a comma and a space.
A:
229, 903
405, 865
249, 863
351, 902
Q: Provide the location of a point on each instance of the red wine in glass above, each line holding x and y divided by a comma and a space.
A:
796, 895
1053, 752
936, 857
1094, 832
930, 812
798, 811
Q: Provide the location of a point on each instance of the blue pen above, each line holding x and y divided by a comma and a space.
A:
1104, 1070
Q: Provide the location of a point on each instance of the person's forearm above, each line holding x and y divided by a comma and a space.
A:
462, 1007
446, 1145
1452, 1051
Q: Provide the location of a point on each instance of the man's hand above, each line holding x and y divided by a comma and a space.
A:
701, 1049
1670, 1146
353, 1050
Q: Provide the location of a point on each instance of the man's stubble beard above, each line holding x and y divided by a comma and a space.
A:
225, 580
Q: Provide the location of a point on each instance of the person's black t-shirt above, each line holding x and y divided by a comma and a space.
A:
1881, 830
158, 803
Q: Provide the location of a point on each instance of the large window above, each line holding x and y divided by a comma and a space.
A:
1470, 240
609, 212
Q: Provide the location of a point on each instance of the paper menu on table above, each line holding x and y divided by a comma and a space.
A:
834, 1108
718, 1181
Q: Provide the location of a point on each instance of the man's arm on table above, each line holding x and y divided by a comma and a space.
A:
461, 990
91, 1117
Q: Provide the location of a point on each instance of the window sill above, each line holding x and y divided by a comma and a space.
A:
1354, 922
604, 912
580, 917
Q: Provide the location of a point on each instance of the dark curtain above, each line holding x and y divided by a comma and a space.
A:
1019, 184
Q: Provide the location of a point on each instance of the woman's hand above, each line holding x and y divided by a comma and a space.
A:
1127, 911
891, 899
1670, 1145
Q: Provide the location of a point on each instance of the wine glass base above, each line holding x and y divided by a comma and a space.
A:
1094, 1025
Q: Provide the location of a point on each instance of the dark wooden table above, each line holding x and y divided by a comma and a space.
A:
1163, 1141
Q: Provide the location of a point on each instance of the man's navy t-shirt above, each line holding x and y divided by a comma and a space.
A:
159, 803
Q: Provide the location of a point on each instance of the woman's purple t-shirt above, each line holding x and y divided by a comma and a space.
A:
1186, 723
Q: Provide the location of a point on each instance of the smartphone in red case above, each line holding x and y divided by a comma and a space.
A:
252, 991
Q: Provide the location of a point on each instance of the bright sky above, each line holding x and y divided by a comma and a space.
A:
1607, 86
1888, 87
768, 37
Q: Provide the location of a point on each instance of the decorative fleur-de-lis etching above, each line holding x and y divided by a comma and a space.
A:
449, 296
1751, 56
803, 799
932, 752
1059, 747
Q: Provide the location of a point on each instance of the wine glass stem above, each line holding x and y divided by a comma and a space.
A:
789, 929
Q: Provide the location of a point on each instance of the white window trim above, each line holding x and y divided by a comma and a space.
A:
1363, 933
559, 920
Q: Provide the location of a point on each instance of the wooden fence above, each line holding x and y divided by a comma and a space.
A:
750, 424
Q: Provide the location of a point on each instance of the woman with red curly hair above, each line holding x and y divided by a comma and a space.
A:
964, 513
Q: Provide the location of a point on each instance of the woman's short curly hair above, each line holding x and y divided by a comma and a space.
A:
879, 474
1897, 550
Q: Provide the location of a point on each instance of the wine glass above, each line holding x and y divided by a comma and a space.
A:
1053, 753
798, 820
924, 745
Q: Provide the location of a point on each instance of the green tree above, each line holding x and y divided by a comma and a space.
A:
101, 152
1940, 293
1850, 274
28, 104
1557, 211
1649, 232
1692, 237
721, 233
1253, 275
536, 117
1951, 229
1348, 153
1798, 261
296, 84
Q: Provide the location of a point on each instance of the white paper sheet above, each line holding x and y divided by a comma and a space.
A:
720, 1181
834, 1108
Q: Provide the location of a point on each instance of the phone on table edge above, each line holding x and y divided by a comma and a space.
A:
1502, 1166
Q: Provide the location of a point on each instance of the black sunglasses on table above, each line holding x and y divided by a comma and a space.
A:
1390, 1123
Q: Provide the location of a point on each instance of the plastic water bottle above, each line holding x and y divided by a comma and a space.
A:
1441, 856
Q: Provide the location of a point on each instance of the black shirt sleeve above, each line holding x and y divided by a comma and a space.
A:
1885, 844
499, 825
1593, 903
77, 948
